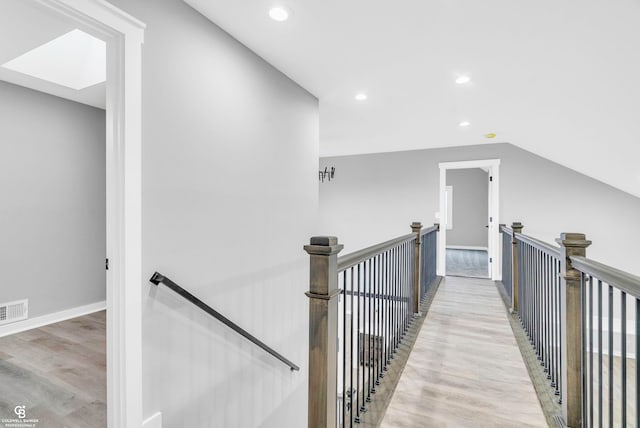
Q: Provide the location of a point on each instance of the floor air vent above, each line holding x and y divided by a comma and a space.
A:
14, 311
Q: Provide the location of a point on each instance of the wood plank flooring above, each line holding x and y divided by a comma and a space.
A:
58, 372
465, 369
469, 263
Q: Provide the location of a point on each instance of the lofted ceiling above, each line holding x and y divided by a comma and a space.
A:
557, 78
41, 27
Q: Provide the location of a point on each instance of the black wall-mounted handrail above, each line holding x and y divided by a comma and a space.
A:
158, 278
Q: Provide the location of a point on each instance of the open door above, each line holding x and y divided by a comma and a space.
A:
492, 228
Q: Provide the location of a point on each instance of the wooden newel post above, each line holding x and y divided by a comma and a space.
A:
323, 330
416, 227
571, 244
515, 277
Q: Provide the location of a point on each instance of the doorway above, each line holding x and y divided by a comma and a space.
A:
469, 232
467, 235
123, 35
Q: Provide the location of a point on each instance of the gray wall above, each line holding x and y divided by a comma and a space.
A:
52, 212
375, 197
230, 196
470, 207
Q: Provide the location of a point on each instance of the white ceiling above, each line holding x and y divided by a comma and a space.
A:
25, 26
558, 78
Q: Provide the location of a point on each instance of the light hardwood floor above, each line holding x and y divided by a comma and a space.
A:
58, 372
465, 369
468, 263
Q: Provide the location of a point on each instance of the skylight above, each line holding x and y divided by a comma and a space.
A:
76, 60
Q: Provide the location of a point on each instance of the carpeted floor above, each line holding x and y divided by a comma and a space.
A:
469, 263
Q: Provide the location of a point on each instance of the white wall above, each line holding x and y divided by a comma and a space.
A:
52, 211
375, 197
470, 207
230, 193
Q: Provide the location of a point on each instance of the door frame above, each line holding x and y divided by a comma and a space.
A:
124, 36
493, 165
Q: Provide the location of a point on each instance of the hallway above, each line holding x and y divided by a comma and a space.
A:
465, 369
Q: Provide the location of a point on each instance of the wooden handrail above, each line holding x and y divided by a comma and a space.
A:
624, 281
352, 259
506, 229
427, 230
549, 249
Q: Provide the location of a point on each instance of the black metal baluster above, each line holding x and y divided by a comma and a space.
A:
370, 357
366, 358
376, 321
533, 300
392, 301
401, 293
385, 291
399, 300
381, 316
600, 415
623, 351
530, 288
540, 307
405, 290
394, 315
610, 359
344, 348
590, 351
521, 279
543, 282
545, 313
385, 318
583, 333
410, 291
407, 301
549, 315
559, 330
351, 390
394, 283
362, 334
536, 300
554, 337
556, 326
525, 287
357, 333
637, 365
378, 317
424, 259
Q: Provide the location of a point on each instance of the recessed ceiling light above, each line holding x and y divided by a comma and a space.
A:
464, 124
279, 13
76, 60
361, 96
461, 80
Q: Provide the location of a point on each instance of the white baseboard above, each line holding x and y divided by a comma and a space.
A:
466, 247
153, 421
55, 317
